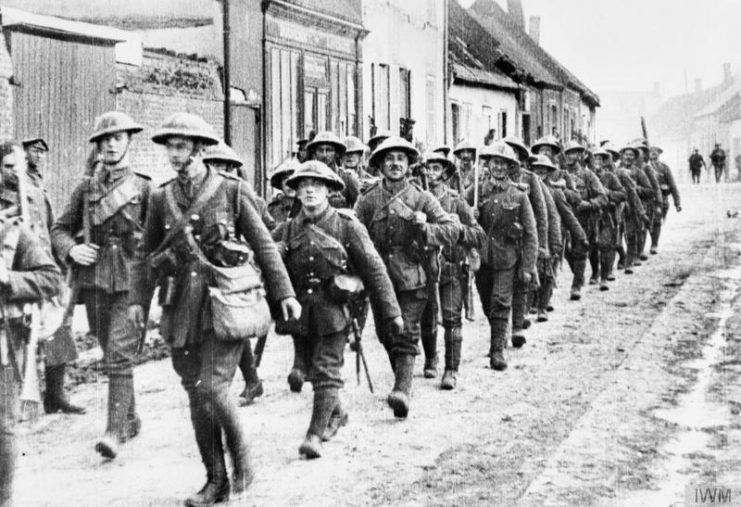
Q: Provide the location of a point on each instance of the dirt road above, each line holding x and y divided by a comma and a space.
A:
624, 398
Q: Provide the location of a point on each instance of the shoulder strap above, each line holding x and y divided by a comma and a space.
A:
213, 186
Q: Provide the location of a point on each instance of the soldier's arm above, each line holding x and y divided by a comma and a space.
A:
68, 224
616, 193
537, 202
555, 242
643, 185
529, 236
673, 186
278, 236
654, 181
352, 188
568, 218
440, 228
250, 225
471, 235
34, 275
142, 278
597, 191
634, 200
373, 272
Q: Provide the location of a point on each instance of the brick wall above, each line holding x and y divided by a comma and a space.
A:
6, 91
163, 85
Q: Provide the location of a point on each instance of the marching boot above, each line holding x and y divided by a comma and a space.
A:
338, 419
298, 372
580, 266
453, 342
429, 345
542, 315
208, 439
655, 234
518, 338
55, 400
496, 353
398, 400
325, 401
120, 389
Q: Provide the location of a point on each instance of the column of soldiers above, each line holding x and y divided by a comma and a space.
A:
405, 237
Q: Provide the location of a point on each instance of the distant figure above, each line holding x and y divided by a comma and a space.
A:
718, 160
490, 136
696, 164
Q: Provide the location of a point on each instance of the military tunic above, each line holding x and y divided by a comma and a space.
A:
602, 253
32, 276
635, 225
315, 250
280, 207
116, 204
402, 245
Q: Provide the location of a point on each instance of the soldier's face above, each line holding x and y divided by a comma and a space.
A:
599, 163
113, 147
545, 150
180, 152
629, 157
573, 157
466, 157
498, 167
351, 160
540, 170
302, 154
394, 165
654, 155
435, 171
36, 156
312, 193
325, 153
222, 166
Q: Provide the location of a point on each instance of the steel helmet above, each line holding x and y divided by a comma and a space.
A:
543, 161
610, 148
284, 169
26, 143
546, 141
186, 125
499, 149
436, 156
394, 143
518, 145
657, 149
463, 146
317, 170
381, 136
444, 149
354, 145
630, 146
222, 152
600, 152
112, 122
573, 146
326, 137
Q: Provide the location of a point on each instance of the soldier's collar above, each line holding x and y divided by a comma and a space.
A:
305, 219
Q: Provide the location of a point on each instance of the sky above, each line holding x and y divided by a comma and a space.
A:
628, 45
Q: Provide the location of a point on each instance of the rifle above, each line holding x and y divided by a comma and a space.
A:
30, 396
358, 346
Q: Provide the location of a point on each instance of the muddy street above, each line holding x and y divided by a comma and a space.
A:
623, 398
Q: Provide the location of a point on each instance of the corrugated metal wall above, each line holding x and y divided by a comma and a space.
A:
64, 85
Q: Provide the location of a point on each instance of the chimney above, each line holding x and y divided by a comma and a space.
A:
727, 76
698, 85
514, 8
535, 29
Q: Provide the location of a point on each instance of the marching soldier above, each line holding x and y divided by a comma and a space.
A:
405, 223
652, 206
200, 215
27, 274
637, 218
352, 161
328, 149
465, 152
668, 187
283, 201
97, 234
529, 183
548, 146
602, 253
61, 350
222, 158
569, 230
456, 273
696, 163
324, 249
511, 245
590, 198
718, 161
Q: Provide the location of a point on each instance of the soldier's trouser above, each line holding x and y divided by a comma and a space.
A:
326, 357
107, 314
451, 300
633, 230
651, 211
602, 252
547, 282
718, 172
658, 222
496, 287
206, 370
9, 406
412, 304
576, 256
247, 364
696, 175
520, 297
60, 351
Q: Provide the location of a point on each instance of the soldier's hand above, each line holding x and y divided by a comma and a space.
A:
420, 218
290, 308
396, 324
679, 208
85, 254
135, 315
526, 277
